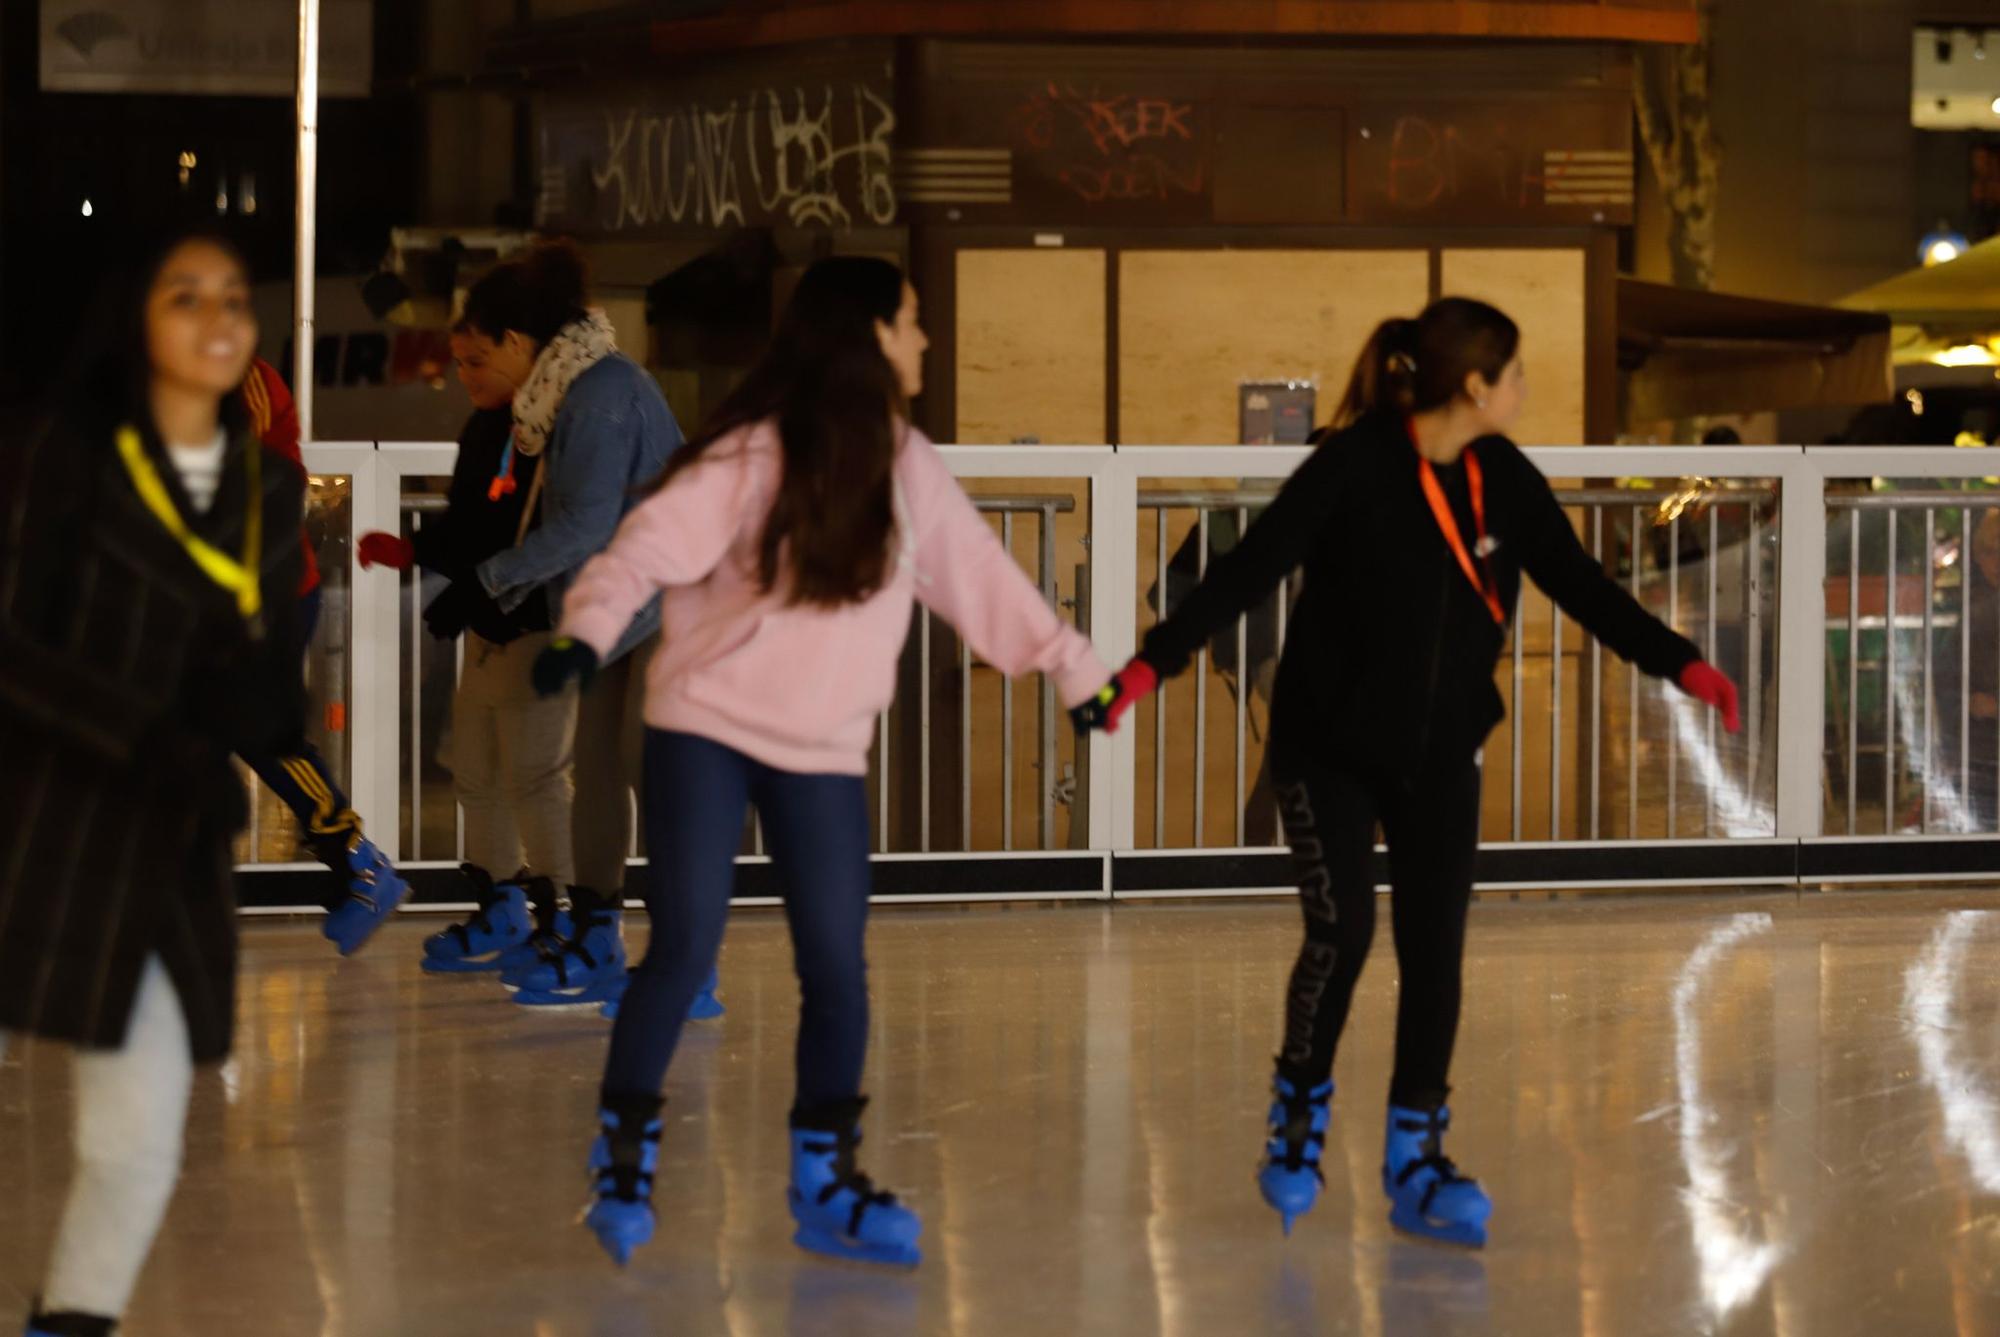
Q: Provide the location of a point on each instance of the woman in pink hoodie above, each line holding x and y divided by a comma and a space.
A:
791, 540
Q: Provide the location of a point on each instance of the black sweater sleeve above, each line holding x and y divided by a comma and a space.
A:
1557, 562
1275, 545
440, 543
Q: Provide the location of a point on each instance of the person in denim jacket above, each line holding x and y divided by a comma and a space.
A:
590, 430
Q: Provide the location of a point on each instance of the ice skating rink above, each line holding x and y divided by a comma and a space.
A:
1699, 1113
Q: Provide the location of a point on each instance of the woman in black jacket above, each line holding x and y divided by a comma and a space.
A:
149, 567
1414, 522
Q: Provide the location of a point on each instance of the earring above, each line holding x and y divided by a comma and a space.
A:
1480, 402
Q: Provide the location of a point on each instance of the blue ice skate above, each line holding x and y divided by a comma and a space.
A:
1427, 1195
839, 1211
1289, 1176
501, 923
552, 930
609, 1009
706, 1006
374, 890
623, 1161
585, 969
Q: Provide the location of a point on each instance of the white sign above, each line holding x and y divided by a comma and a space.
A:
233, 47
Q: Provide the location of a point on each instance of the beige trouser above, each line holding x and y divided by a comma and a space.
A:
510, 762
131, 1108
610, 735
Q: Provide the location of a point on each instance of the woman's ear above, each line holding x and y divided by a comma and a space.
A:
1477, 388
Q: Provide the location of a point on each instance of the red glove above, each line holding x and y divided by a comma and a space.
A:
1704, 682
380, 549
1104, 710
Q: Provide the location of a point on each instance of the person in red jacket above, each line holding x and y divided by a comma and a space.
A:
367, 887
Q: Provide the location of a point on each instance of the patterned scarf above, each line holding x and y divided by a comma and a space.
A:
576, 348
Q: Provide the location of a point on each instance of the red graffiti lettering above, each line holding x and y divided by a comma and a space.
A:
1143, 177
1428, 165
1116, 146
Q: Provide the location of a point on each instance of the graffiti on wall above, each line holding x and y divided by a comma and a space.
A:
1450, 165
1114, 147
810, 158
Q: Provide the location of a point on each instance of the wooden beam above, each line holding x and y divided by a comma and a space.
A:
1578, 20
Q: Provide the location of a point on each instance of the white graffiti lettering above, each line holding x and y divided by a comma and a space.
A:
687, 164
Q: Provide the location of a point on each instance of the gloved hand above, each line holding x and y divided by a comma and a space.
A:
379, 549
462, 603
1704, 682
1104, 710
564, 659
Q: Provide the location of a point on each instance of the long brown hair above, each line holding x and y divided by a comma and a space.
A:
837, 402
1413, 366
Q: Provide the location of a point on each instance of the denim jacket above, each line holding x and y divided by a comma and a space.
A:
612, 437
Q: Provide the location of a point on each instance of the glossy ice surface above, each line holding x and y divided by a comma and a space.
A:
1743, 1114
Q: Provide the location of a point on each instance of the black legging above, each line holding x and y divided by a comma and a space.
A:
1432, 830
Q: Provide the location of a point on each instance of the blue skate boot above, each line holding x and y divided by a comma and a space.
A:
839, 1211
609, 1010
706, 1006
1289, 1176
585, 969
1427, 1195
623, 1161
552, 930
501, 922
374, 890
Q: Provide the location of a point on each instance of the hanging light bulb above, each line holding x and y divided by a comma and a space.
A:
87, 210
1942, 245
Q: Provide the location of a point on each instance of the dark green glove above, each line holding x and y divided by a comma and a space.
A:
564, 659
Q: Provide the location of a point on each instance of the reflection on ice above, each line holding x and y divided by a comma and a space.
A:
1971, 1111
1734, 1265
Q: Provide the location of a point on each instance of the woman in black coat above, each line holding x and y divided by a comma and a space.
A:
1415, 522
149, 555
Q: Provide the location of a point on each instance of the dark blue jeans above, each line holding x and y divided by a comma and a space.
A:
816, 827
304, 782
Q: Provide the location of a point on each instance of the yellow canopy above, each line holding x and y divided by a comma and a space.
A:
1959, 294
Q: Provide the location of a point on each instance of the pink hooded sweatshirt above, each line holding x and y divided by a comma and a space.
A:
794, 686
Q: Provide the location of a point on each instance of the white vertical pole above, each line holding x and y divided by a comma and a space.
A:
1801, 648
307, 124
1114, 626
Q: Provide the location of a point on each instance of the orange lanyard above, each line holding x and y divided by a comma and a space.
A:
1481, 575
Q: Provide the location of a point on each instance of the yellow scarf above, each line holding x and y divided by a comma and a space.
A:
238, 577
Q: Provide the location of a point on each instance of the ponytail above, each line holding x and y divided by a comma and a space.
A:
1414, 366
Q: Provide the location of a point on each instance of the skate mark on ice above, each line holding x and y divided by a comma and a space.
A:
1734, 1265
1971, 1110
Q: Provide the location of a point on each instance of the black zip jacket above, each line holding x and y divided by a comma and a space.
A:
473, 526
1389, 661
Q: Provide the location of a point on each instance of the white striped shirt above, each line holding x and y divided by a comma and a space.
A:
200, 469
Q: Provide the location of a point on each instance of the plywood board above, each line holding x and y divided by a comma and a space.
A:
1194, 325
1031, 346
1543, 290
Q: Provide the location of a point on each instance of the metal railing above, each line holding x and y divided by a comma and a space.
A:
1906, 596
1731, 544
1647, 527
902, 797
